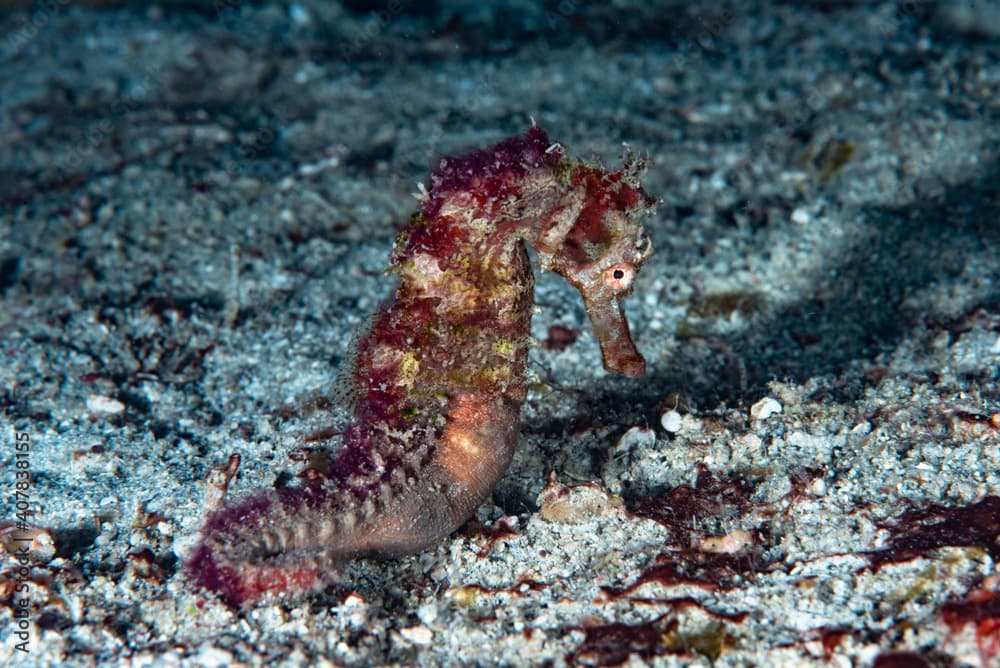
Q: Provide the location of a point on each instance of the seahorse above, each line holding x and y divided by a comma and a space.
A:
438, 378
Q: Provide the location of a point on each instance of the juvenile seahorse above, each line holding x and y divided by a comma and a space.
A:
439, 376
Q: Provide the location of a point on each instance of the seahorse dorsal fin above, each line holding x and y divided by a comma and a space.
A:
344, 391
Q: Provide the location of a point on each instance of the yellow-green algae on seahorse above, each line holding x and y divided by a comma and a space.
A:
439, 375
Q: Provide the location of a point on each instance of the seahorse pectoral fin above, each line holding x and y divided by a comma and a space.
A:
611, 331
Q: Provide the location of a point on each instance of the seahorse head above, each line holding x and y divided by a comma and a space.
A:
601, 252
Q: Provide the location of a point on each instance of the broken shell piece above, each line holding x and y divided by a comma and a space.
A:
734, 542
636, 437
764, 409
418, 635
217, 482
97, 403
575, 504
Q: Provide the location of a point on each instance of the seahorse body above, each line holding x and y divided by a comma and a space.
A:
440, 375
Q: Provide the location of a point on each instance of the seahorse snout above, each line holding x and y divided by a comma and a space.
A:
611, 331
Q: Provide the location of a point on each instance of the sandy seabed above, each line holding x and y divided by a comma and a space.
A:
197, 201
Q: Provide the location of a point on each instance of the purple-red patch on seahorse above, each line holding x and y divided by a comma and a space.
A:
439, 376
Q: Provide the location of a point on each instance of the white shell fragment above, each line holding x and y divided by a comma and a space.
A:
97, 403
671, 421
764, 409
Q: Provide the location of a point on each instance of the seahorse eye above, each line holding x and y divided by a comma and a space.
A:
619, 276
